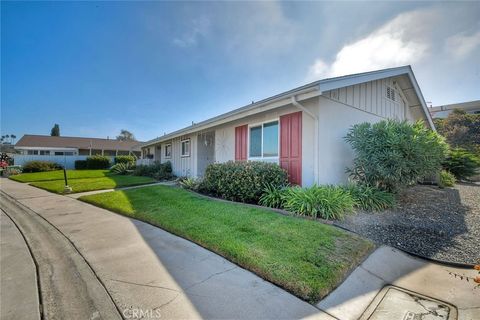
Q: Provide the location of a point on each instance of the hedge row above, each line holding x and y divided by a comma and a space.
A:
242, 181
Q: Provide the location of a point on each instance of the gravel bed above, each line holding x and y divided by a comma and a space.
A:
441, 224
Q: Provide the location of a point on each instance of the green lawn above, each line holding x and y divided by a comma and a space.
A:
90, 184
305, 257
58, 175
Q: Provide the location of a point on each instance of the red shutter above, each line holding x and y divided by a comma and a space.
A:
291, 146
241, 134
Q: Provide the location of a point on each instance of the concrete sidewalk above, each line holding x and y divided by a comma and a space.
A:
18, 283
391, 267
153, 273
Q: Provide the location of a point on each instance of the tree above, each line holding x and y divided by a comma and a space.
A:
126, 135
461, 130
55, 132
13, 137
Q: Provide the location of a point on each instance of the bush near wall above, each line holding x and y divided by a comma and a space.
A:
159, 171
98, 162
391, 155
40, 166
242, 181
80, 164
125, 159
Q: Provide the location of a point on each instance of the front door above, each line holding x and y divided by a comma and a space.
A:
291, 146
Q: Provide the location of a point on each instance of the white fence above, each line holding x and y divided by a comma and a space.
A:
67, 161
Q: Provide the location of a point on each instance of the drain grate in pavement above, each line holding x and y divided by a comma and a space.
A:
393, 303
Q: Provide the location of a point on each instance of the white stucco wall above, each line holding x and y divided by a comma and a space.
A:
341, 109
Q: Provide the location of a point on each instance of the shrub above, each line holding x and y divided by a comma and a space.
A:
125, 159
272, 197
327, 202
40, 166
159, 171
391, 155
242, 181
80, 164
98, 162
370, 198
11, 171
462, 163
122, 168
447, 179
190, 183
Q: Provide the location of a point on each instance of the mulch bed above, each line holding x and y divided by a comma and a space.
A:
441, 224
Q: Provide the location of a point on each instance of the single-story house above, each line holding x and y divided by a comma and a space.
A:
302, 129
65, 150
471, 107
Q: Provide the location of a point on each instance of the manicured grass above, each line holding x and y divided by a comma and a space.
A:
305, 257
58, 175
90, 184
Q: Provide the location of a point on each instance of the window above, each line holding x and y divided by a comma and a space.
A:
168, 151
44, 152
59, 153
32, 152
186, 148
263, 140
391, 94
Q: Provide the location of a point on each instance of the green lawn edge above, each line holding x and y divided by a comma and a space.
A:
93, 184
58, 175
318, 257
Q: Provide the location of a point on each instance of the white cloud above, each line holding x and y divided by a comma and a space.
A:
403, 40
461, 45
199, 28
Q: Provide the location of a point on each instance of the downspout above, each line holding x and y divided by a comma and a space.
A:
315, 143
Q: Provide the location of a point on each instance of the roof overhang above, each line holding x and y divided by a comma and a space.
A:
281, 100
46, 148
301, 93
345, 81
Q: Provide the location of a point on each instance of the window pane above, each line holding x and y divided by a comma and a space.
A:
186, 148
168, 150
256, 142
270, 139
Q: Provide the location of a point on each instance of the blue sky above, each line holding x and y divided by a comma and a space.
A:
153, 67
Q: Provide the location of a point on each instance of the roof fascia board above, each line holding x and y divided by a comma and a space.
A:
335, 83
414, 82
279, 101
46, 148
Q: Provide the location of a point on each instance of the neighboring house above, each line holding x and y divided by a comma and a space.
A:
65, 150
472, 107
302, 129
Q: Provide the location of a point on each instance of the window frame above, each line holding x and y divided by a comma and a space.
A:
166, 148
189, 148
261, 124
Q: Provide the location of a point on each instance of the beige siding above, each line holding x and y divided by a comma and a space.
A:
371, 97
182, 166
